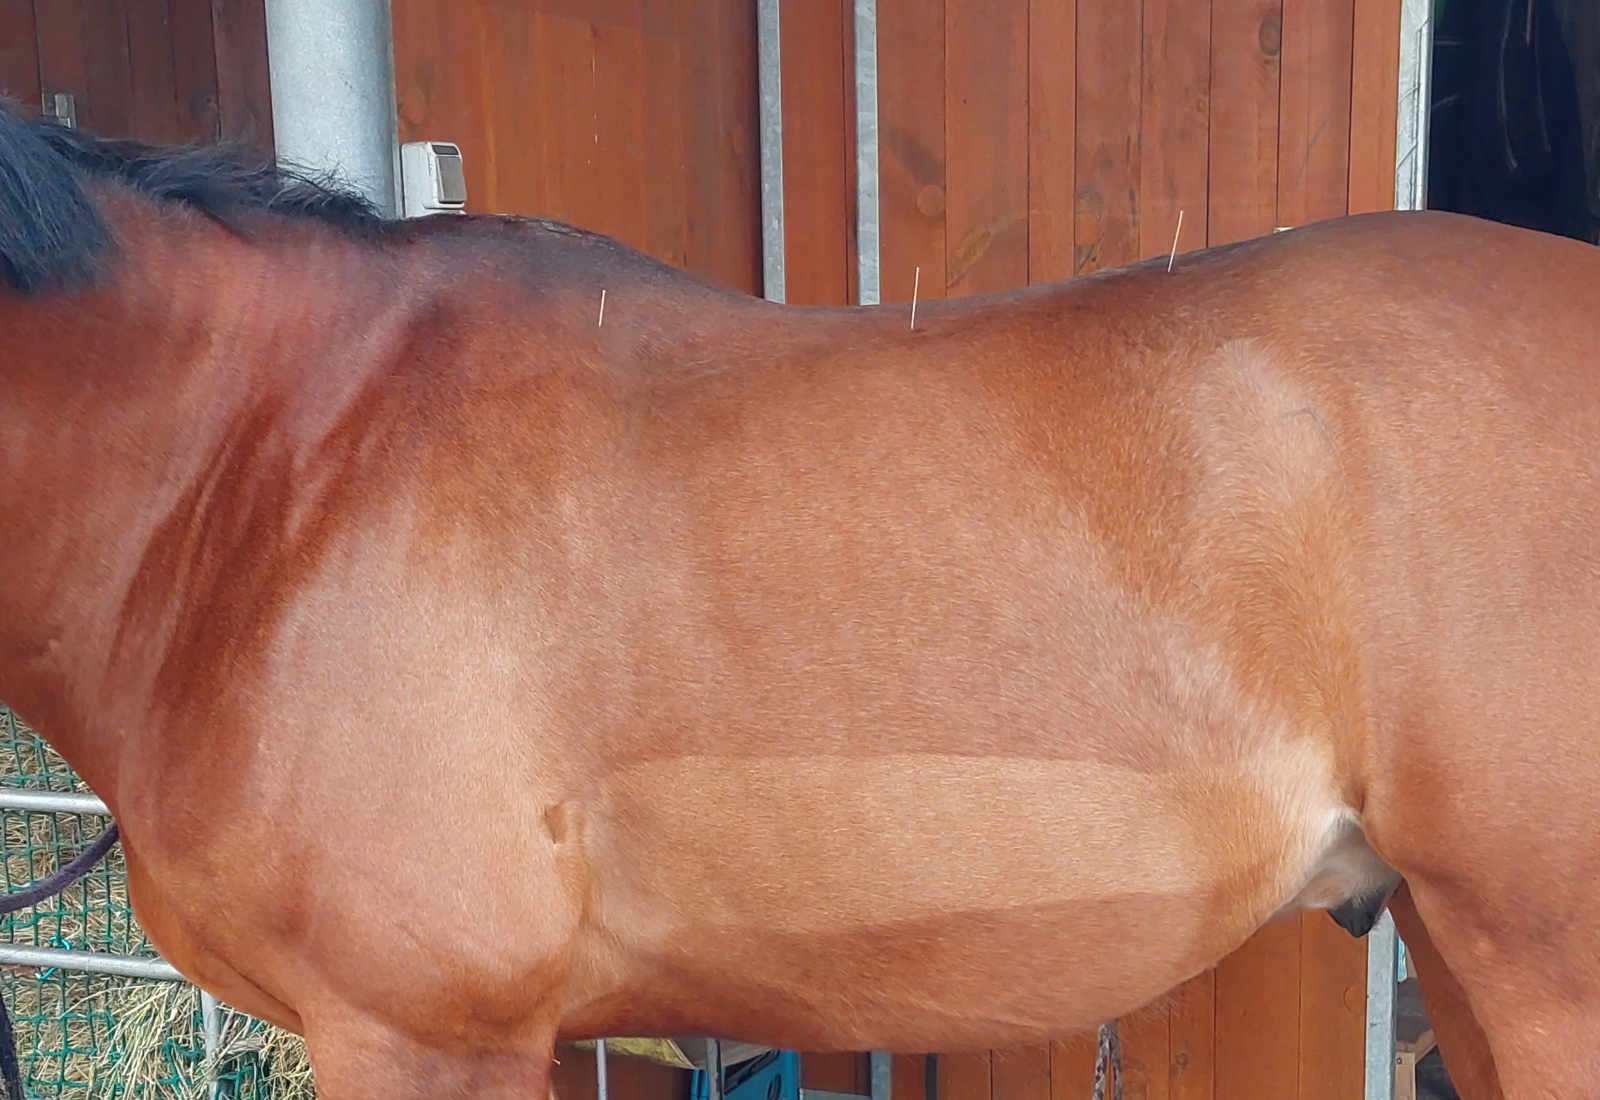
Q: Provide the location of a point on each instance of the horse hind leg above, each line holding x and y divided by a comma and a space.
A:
1462, 1043
1528, 987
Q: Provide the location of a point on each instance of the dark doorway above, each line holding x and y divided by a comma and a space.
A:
1515, 122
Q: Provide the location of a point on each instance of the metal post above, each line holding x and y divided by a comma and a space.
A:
51, 802
1416, 102
868, 276
1382, 962
882, 1067
769, 72
713, 1069
211, 1031
88, 962
602, 1087
331, 63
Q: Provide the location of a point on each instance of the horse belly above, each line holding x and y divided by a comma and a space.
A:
924, 901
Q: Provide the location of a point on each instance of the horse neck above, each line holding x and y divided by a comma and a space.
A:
122, 405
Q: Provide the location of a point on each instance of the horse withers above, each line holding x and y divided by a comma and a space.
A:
465, 674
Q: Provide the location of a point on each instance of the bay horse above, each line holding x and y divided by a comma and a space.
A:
468, 671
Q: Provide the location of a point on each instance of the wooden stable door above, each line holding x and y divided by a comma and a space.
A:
1029, 140
158, 70
636, 118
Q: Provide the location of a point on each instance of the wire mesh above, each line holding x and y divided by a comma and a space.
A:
88, 1035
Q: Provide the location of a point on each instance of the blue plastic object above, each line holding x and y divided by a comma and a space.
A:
775, 1075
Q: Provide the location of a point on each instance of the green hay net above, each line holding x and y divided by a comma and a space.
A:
89, 1035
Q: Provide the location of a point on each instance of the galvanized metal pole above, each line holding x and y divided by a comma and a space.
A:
1416, 101
1382, 972
882, 1076
769, 75
52, 802
868, 275
88, 962
713, 1069
331, 63
211, 1033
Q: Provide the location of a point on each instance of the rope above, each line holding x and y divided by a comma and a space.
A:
1108, 1061
10, 1071
72, 872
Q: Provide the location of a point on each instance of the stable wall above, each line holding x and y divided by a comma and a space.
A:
1028, 140
636, 118
161, 70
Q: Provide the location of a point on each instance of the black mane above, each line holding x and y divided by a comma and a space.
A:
52, 235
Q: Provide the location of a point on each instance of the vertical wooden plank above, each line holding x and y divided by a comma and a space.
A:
739, 220
194, 61
612, 13
1246, 41
107, 104
816, 207
417, 57
500, 106
573, 1076
665, 197
1021, 1074
1374, 104
1175, 119
1072, 1067
836, 1072
908, 1077
1192, 1033
965, 1077
1146, 1055
723, 240
153, 107
475, 114
1333, 1011
1314, 110
569, 87
619, 118
911, 147
986, 145
1052, 137
518, 114
19, 52
1110, 56
701, 25
244, 88
1258, 1015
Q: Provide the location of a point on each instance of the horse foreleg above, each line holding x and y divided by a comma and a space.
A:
356, 1057
1462, 1042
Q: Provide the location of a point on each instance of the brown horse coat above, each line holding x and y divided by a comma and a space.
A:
464, 673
